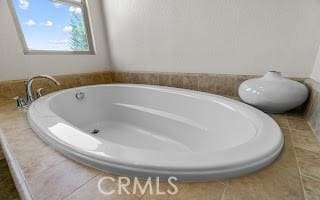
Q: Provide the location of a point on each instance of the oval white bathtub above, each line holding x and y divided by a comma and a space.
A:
157, 131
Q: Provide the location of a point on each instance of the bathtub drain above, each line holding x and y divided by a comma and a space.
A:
95, 131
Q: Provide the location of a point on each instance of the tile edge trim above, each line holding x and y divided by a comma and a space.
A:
15, 170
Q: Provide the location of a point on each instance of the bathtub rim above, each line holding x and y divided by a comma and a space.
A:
183, 173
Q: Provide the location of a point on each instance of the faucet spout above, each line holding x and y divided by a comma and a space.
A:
28, 85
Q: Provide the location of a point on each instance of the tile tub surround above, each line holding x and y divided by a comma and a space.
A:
213, 83
47, 174
312, 112
10, 89
221, 84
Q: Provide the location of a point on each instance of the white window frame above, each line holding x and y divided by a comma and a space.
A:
87, 22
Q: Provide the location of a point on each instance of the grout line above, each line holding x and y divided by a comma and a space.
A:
141, 197
171, 196
301, 148
224, 191
299, 170
313, 130
80, 186
43, 170
313, 178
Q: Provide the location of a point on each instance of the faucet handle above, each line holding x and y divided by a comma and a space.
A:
21, 103
39, 92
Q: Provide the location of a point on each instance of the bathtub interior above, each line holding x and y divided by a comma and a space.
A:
157, 118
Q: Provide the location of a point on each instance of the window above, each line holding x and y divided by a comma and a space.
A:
53, 26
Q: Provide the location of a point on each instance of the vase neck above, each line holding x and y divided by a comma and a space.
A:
272, 75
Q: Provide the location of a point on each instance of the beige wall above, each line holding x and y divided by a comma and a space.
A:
15, 65
316, 70
217, 36
316, 73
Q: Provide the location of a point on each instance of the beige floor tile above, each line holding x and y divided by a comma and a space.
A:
161, 192
265, 185
286, 158
33, 154
201, 191
305, 140
59, 181
270, 182
13, 121
40, 161
309, 162
293, 115
159, 197
281, 120
298, 124
90, 190
23, 140
312, 188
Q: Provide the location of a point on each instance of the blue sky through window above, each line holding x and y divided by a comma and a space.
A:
48, 25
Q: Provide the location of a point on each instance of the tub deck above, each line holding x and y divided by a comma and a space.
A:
40, 172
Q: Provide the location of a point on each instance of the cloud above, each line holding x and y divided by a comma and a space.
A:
59, 44
75, 10
64, 41
56, 5
30, 22
47, 23
24, 4
67, 29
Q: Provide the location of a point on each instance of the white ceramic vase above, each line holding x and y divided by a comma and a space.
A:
273, 93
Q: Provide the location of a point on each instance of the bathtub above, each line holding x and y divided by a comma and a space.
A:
154, 131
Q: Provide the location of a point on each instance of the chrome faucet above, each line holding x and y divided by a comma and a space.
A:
29, 90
